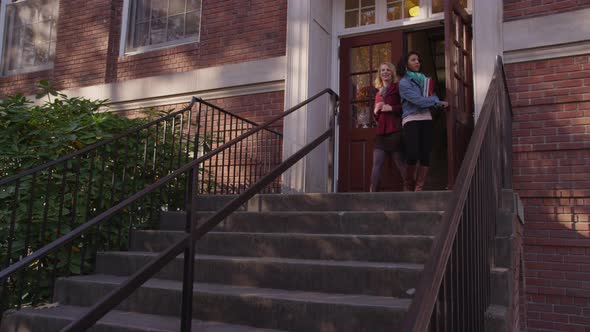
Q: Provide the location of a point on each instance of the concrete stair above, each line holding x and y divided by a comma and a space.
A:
303, 262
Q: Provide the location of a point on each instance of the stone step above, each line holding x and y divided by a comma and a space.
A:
374, 248
260, 307
55, 318
347, 222
381, 201
345, 277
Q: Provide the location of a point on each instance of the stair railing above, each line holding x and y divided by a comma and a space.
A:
40, 205
454, 291
190, 173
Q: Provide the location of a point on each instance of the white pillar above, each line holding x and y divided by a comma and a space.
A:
308, 72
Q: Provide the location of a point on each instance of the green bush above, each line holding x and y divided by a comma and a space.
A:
39, 208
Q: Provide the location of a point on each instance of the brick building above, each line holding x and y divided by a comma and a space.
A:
255, 58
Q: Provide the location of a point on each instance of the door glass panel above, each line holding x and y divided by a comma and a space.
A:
360, 87
362, 115
359, 59
381, 53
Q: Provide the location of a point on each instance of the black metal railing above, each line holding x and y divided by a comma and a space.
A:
42, 204
191, 174
454, 291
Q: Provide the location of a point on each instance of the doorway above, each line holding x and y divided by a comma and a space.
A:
360, 57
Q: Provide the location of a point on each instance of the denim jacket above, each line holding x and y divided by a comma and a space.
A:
413, 102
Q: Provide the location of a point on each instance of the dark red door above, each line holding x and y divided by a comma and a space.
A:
360, 58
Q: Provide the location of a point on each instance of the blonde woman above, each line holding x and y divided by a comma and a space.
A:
387, 112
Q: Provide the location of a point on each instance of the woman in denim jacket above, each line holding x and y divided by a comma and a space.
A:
417, 99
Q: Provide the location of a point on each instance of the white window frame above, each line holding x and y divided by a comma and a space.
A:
3, 72
126, 20
381, 22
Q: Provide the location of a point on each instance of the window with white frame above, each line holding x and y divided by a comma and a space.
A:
162, 23
362, 14
28, 35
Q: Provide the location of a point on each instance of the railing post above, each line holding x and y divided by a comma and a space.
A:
189, 253
332, 142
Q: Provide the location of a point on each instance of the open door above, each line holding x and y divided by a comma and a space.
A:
360, 58
459, 84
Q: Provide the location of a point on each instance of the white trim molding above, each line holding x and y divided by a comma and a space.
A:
249, 77
547, 37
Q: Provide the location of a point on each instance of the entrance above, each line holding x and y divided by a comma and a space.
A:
359, 60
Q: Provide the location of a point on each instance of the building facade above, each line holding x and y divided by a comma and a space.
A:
256, 58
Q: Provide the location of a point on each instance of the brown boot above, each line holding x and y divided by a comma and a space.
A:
410, 178
421, 177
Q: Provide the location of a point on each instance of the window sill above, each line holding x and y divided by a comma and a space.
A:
162, 50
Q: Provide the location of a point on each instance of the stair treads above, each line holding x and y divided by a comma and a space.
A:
55, 318
334, 222
375, 248
245, 292
345, 277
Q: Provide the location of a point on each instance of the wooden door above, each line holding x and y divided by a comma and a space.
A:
459, 84
360, 58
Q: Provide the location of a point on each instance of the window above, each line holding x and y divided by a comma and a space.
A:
29, 35
162, 23
359, 13
366, 15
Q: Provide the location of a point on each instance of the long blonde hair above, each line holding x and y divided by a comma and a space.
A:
394, 79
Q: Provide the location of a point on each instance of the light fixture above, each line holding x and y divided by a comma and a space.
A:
414, 11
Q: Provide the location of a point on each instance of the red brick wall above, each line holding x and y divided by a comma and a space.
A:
519, 9
88, 36
551, 100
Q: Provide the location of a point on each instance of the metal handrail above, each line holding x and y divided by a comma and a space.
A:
39, 205
146, 272
422, 314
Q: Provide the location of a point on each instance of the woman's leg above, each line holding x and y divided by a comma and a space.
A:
412, 147
424, 154
378, 160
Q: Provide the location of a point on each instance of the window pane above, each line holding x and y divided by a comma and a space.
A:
359, 59
158, 31
411, 8
367, 3
159, 8
438, 6
381, 53
368, 16
176, 7
360, 86
42, 56
352, 4
362, 115
351, 19
142, 34
176, 27
28, 54
142, 10
193, 5
193, 21
394, 11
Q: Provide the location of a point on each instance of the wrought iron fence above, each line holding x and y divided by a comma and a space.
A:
42, 204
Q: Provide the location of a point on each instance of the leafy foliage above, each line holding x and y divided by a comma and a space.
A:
39, 208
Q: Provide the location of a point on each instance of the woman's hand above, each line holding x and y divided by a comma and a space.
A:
444, 104
378, 107
386, 108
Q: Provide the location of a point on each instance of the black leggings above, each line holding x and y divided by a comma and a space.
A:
418, 142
